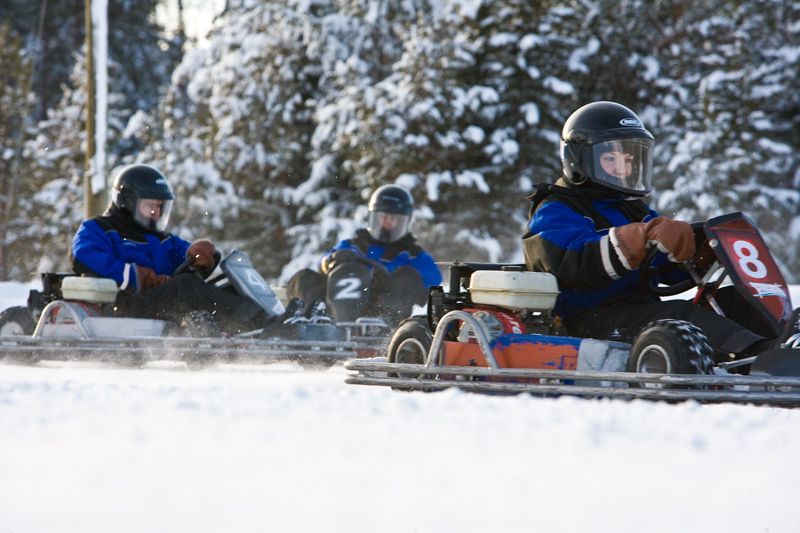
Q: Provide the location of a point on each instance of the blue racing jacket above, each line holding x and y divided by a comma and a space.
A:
403, 252
111, 245
567, 235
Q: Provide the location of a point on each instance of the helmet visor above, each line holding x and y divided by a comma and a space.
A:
625, 165
387, 227
152, 214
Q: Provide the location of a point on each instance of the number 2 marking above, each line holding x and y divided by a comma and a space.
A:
349, 289
747, 256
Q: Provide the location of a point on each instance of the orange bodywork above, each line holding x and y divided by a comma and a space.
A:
541, 355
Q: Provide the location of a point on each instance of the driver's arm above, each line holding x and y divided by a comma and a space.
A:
93, 252
428, 269
177, 249
567, 244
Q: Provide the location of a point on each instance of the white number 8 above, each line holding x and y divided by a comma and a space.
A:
748, 259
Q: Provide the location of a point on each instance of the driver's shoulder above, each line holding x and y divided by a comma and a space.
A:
102, 223
362, 241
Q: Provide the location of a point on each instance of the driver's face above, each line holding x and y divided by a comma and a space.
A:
150, 208
619, 164
388, 221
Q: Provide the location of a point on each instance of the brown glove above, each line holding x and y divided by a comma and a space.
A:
673, 237
630, 244
148, 278
201, 253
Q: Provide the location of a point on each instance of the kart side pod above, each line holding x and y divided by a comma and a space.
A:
76, 316
533, 291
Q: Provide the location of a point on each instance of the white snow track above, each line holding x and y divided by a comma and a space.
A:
91, 449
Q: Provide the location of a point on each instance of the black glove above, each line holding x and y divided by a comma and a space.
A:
337, 258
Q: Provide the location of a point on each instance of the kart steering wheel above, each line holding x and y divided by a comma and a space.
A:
187, 266
377, 265
183, 267
648, 276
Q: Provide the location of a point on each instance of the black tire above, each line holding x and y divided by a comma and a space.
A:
16, 321
671, 347
410, 345
411, 342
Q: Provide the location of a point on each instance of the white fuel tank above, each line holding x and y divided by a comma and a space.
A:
535, 291
98, 290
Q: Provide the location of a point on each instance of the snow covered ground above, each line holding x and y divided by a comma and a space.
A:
95, 449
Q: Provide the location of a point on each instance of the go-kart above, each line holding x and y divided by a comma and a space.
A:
493, 330
72, 319
354, 304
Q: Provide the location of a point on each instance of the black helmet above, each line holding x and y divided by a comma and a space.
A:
390, 210
605, 143
143, 193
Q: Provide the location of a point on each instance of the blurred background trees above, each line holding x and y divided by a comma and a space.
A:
276, 131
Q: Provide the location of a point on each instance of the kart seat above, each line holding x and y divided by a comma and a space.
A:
532, 291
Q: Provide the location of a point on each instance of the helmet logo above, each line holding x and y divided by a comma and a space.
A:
161, 181
631, 122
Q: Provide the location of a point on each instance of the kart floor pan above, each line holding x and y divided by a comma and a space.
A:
768, 390
137, 351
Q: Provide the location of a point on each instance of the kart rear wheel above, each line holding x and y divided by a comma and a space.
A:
16, 321
671, 347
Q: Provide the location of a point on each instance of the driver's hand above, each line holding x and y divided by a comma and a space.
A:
673, 237
630, 244
338, 257
202, 254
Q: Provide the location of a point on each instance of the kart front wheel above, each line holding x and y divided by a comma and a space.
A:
671, 347
410, 345
411, 342
16, 321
